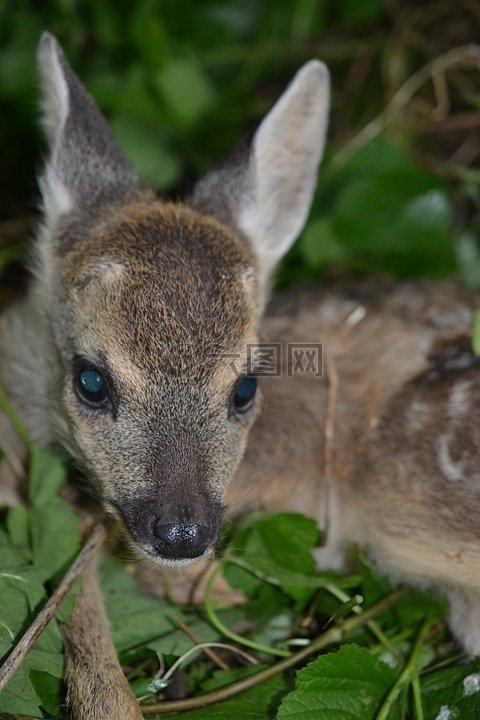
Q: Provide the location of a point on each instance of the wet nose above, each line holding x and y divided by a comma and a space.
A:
180, 540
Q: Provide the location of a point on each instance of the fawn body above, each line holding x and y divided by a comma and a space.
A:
406, 434
121, 353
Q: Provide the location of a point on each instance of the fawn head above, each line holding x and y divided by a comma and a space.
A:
150, 304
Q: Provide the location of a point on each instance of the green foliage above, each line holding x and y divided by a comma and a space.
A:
378, 212
181, 81
360, 680
32, 556
271, 547
347, 685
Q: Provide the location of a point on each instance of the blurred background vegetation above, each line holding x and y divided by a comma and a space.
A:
181, 80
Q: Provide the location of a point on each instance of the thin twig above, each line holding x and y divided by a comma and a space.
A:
308, 619
206, 646
466, 54
208, 651
407, 674
328, 434
50, 608
334, 635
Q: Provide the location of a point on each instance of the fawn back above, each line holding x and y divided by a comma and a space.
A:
404, 476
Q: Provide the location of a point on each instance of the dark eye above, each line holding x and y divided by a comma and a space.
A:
244, 394
92, 387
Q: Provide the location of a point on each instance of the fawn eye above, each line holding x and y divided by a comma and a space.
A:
92, 387
244, 394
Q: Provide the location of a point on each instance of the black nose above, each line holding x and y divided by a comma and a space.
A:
179, 541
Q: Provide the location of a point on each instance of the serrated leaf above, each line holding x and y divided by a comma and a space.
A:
347, 685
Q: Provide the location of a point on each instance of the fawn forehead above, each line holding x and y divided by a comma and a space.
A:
159, 282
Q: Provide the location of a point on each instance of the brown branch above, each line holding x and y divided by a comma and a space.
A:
468, 55
335, 635
328, 434
51, 606
208, 651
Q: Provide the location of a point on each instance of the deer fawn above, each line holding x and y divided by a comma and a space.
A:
121, 353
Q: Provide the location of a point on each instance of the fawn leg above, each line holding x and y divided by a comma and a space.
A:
97, 687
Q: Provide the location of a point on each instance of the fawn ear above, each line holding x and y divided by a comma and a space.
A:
85, 168
265, 190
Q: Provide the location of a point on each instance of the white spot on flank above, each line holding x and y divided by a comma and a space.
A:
417, 416
471, 684
459, 401
452, 470
356, 316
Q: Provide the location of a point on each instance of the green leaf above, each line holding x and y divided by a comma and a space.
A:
135, 616
222, 678
273, 543
285, 539
54, 527
186, 89
399, 220
347, 685
47, 475
22, 594
288, 580
320, 246
359, 13
446, 688
145, 147
36, 543
17, 527
48, 688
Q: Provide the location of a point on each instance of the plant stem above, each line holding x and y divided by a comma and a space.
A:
226, 631
335, 635
417, 699
407, 675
